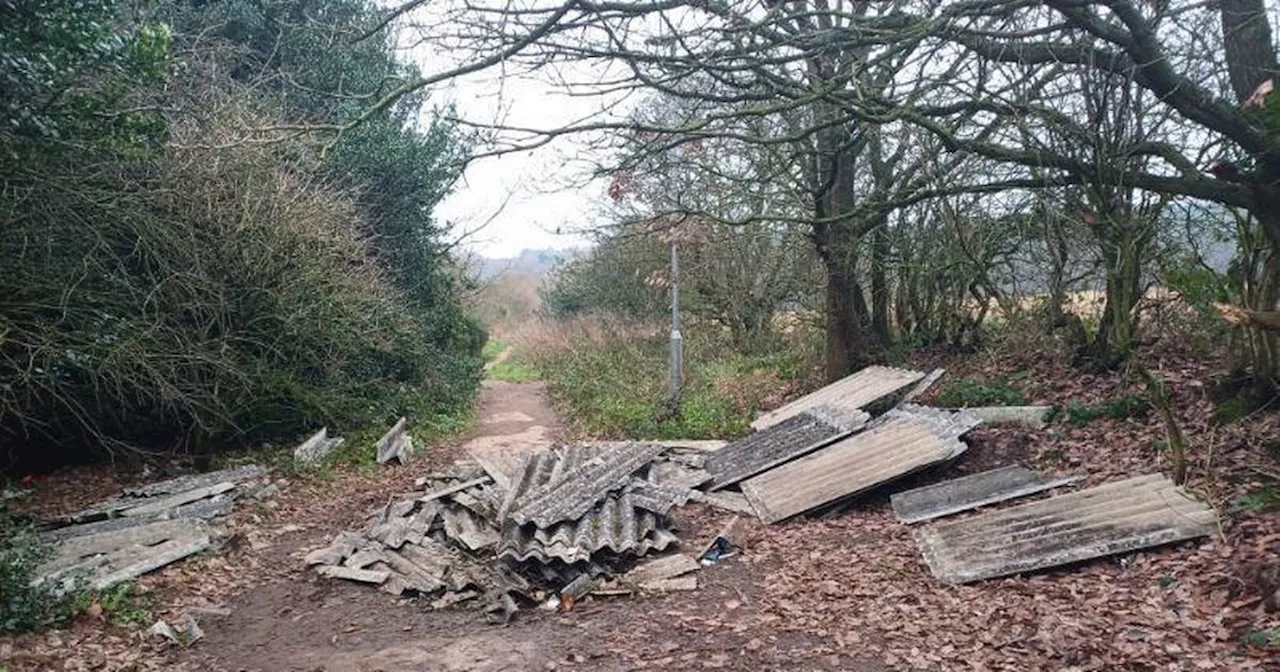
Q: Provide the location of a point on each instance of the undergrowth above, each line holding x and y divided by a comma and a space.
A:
24, 607
1118, 408
964, 392
618, 387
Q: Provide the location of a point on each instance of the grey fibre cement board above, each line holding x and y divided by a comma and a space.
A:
1116, 517
900, 444
855, 391
797, 435
970, 492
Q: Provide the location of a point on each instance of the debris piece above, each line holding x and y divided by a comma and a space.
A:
798, 435
670, 585
858, 390
458, 487
922, 386
970, 492
174, 501
343, 545
204, 509
574, 493
142, 560
677, 475
361, 559
502, 609
729, 501
236, 475
1031, 416
462, 525
901, 444
317, 447
954, 422
395, 444
142, 535
576, 590
699, 445
666, 567
501, 466
361, 575
615, 525
187, 635
1113, 518
722, 545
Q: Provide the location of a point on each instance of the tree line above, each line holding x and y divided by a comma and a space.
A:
943, 158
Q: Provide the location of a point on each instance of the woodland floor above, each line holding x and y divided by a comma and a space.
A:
844, 591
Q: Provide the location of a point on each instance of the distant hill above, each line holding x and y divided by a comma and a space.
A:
536, 263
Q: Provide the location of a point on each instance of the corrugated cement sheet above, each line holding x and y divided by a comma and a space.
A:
855, 391
617, 524
1112, 518
574, 481
970, 492
798, 435
899, 444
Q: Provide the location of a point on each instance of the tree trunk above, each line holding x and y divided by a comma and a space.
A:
848, 344
1123, 241
1246, 37
880, 282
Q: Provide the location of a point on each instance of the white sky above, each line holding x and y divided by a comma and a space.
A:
533, 199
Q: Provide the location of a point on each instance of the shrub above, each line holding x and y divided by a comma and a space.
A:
24, 607
214, 295
1120, 408
613, 383
970, 392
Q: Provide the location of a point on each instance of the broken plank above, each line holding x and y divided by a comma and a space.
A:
902, 444
783, 442
1030, 416
195, 481
970, 492
501, 466
468, 529
361, 559
457, 487
728, 501
858, 390
155, 557
342, 546
922, 386
1112, 518
150, 507
670, 585
362, 575
395, 444
142, 535
657, 569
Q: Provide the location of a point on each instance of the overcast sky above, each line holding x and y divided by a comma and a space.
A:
533, 199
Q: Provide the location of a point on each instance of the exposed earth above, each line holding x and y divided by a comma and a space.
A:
842, 591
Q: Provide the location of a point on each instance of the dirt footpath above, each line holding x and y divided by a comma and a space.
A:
293, 621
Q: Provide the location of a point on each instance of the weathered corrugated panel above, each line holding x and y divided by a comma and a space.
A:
854, 391
568, 494
797, 435
899, 444
616, 524
501, 466
969, 492
1112, 518
1030, 416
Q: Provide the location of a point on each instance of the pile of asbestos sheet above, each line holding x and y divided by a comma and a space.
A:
508, 529
145, 528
